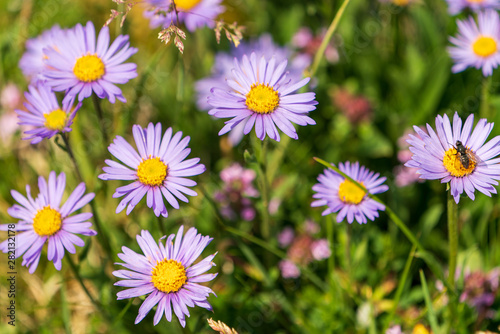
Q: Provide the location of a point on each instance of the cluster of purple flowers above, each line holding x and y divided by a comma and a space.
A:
303, 248
236, 193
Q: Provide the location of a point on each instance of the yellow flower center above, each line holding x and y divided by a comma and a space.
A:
401, 2
262, 99
452, 163
89, 68
475, 1
350, 193
484, 46
55, 120
152, 172
186, 5
168, 276
47, 221
420, 329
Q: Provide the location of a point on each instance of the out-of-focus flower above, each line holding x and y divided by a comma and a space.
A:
81, 64
343, 196
307, 44
303, 249
477, 45
234, 195
8, 126
10, 97
355, 107
194, 13
320, 249
457, 6
274, 205
285, 237
32, 62
289, 269
405, 175
158, 170
166, 272
311, 227
44, 115
436, 156
221, 327
364, 315
480, 289
44, 219
260, 94
420, 329
396, 329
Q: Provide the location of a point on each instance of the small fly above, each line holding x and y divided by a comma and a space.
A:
465, 155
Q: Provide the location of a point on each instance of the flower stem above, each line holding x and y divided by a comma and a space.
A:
80, 280
102, 237
330, 236
453, 250
348, 252
162, 227
328, 36
264, 182
69, 150
98, 109
484, 111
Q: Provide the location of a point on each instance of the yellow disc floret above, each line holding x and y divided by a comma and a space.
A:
452, 163
350, 193
401, 2
168, 276
55, 120
262, 99
152, 172
484, 46
186, 5
89, 68
47, 221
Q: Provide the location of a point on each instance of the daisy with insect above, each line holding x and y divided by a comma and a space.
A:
457, 154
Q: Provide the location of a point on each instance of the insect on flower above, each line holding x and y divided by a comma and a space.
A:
465, 155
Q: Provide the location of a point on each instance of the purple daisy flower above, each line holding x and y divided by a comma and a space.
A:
436, 156
343, 196
194, 13
167, 273
44, 219
32, 62
457, 6
224, 63
81, 65
44, 114
477, 45
159, 170
261, 94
